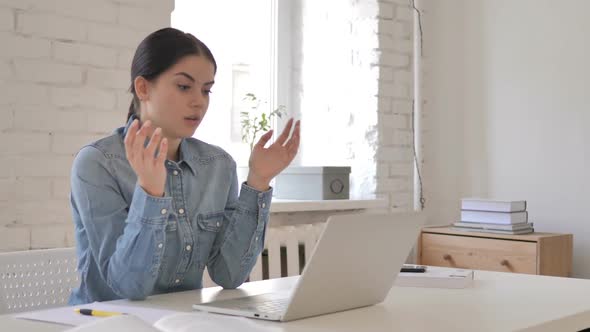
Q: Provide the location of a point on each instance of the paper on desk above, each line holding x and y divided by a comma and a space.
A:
201, 321
179, 322
123, 323
67, 315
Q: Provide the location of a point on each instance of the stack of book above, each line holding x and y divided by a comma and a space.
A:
494, 216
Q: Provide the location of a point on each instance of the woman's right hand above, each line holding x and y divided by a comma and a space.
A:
149, 167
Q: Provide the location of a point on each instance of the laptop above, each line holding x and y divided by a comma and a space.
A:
354, 264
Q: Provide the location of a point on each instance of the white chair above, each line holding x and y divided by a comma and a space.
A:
286, 249
36, 279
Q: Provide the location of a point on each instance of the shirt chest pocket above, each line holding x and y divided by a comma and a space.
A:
209, 227
211, 222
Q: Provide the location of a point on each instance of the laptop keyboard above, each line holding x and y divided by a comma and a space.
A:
272, 306
269, 303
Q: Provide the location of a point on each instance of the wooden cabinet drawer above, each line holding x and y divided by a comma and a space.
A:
479, 253
539, 253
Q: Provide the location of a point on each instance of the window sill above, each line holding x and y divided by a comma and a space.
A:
284, 205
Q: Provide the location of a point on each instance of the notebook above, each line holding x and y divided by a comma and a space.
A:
354, 264
67, 315
177, 322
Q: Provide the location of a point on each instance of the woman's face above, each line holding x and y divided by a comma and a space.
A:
178, 99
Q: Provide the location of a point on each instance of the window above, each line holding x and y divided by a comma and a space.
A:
317, 58
239, 34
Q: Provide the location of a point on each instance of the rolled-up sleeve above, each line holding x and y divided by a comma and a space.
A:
125, 240
239, 244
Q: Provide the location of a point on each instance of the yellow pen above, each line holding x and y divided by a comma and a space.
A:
97, 313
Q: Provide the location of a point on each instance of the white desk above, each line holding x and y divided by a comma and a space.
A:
497, 302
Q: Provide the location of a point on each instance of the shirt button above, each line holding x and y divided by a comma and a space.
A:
160, 245
263, 205
181, 211
177, 281
163, 211
218, 224
257, 238
175, 172
188, 248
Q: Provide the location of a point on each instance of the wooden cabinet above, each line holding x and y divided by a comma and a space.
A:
536, 253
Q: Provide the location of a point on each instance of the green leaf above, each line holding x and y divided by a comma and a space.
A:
254, 122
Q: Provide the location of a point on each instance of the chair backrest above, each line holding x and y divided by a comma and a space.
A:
36, 279
286, 250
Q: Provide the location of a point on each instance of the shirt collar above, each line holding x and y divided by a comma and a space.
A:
184, 154
129, 122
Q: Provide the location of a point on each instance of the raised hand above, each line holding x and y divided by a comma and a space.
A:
149, 167
266, 163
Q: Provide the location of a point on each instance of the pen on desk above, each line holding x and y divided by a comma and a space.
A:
97, 313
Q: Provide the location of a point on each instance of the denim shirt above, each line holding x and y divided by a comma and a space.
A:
131, 245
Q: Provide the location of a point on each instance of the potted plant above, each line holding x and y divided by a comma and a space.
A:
255, 122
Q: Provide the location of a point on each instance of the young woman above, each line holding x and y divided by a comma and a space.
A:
153, 206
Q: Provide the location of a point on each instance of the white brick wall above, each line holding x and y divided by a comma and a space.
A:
104, 122
83, 96
115, 35
124, 58
101, 12
6, 19
128, 17
85, 54
20, 93
42, 71
109, 78
20, 46
15, 238
395, 171
6, 118
51, 26
64, 72
24, 143
50, 119
68, 143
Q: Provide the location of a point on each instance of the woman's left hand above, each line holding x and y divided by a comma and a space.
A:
266, 163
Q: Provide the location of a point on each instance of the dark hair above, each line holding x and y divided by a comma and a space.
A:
159, 51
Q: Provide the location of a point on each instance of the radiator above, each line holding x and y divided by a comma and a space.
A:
286, 250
